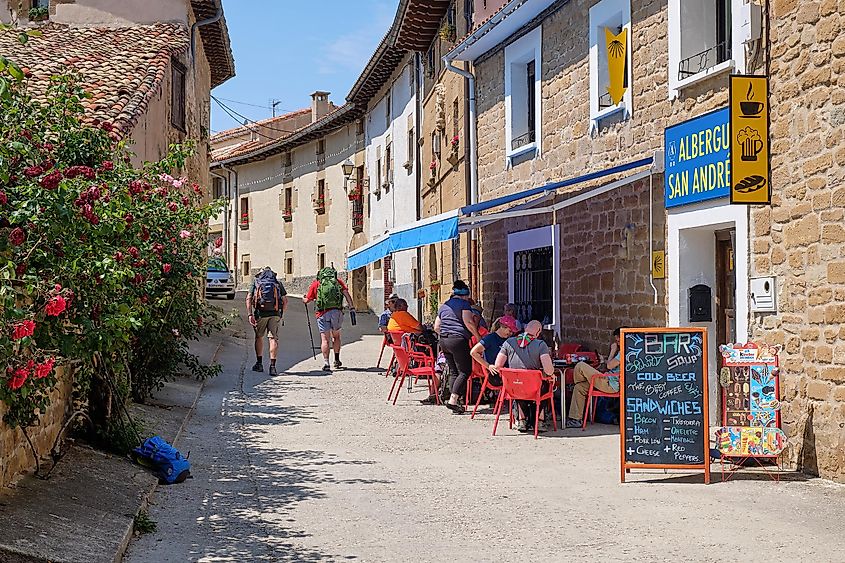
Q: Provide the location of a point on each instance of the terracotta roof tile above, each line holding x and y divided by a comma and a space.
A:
122, 68
269, 122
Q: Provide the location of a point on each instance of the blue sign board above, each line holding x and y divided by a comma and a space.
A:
698, 159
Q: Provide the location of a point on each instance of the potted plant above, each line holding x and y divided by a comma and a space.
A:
39, 14
447, 32
320, 204
356, 192
454, 145
245, 219
287, 215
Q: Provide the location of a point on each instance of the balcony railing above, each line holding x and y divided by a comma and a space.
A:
522, 140
704, 60
357, 222
287, 215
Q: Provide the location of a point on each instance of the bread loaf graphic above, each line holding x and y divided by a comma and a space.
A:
750, 184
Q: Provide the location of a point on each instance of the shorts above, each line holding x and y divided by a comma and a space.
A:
267, 324
331, 320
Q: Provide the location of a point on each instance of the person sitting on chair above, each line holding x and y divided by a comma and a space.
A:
528, 351
403, 321
384, 318
583, 374
486, 351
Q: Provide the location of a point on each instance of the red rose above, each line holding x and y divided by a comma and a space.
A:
185, 201
107, 166
48, 147
84, 171
145, 234
55, 306
129, 218
32, 171
18, 379
118, 256
20, 269
17, 236
133, 252
45, 369
172, 206
166, 268
51, 180
4, 199
145, 299
26, 135
23, 329
158, 248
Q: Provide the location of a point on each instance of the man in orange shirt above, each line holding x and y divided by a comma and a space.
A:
403, 321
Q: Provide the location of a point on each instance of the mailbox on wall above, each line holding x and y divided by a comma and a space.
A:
700, 304
763, 294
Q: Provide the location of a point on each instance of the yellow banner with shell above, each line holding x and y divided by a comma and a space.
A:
617, 56
750, 170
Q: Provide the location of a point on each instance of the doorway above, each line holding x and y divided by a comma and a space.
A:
725, 298
359, 288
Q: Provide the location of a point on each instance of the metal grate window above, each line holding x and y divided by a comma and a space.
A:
533, 285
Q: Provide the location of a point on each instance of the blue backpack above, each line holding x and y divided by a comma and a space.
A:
165, 460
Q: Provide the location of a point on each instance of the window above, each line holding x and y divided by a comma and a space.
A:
177, 96
388, 166
412, 150
358, 204
320, 202
701, 41
430, 62
287, 159
244, 211
288, 262
217, 188
522, 94
468, 9
388, 112
288, 199
377, 275
321, 257
610, 60
377, 190
245, 266
321, 146
456, 126
359, 127
41, 4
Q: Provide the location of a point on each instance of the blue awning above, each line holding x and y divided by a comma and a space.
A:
446, 226
510, 198
420, 233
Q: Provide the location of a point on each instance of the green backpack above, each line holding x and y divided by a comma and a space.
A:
329, 292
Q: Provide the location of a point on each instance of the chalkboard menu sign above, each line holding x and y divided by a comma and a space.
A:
664, 422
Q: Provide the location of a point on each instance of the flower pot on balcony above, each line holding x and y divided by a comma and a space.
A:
453, 158
287, 216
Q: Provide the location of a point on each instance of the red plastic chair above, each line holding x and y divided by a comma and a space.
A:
381, 353
396, 336
484, 386
525, 385
594, 394
425, 369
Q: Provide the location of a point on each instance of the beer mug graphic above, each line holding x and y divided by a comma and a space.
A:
751, 143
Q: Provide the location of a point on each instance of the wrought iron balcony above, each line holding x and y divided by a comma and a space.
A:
704, 60
522, 140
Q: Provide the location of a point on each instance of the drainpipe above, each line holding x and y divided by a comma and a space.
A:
473, 162
214, 19
415, 76
235, 203
225, 214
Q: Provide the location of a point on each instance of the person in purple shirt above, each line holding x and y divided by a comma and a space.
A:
456, 325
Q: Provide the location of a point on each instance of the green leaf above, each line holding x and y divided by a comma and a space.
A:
15, 71
23, 38
4, 89
35, 33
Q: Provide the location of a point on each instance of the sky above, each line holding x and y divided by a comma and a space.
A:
286, 49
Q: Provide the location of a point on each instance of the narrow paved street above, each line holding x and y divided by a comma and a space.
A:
315, 467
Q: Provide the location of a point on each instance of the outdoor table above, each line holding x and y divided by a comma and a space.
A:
560, 374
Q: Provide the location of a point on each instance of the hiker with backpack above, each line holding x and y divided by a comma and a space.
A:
266, 302
329, 291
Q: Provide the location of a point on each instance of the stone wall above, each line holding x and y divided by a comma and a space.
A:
800, 239
15, 453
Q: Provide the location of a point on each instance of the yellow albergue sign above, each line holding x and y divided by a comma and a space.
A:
750, 170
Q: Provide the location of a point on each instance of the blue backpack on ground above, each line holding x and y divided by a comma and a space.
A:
165, 460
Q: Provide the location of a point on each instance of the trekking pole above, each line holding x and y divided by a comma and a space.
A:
310, 332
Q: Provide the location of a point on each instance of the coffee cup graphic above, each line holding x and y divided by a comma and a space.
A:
751, 143
751, 109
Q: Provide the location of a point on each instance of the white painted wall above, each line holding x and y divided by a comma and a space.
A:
398, 206
691, 260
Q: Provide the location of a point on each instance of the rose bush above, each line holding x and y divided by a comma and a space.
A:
101, 264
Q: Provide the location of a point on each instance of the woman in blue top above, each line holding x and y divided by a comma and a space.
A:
456, 326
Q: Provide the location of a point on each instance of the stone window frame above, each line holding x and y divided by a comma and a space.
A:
601, 15
178, 96
518, 54
741, 32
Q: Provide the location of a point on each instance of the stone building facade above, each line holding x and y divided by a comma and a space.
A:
800, 239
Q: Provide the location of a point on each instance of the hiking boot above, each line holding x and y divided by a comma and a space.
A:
338, 365
521, 426
273, 371
574, 423
327, 367
259, 367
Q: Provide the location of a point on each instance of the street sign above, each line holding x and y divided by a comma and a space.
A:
750, 167
664, 420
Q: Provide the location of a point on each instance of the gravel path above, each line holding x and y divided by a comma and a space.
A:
315, 467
